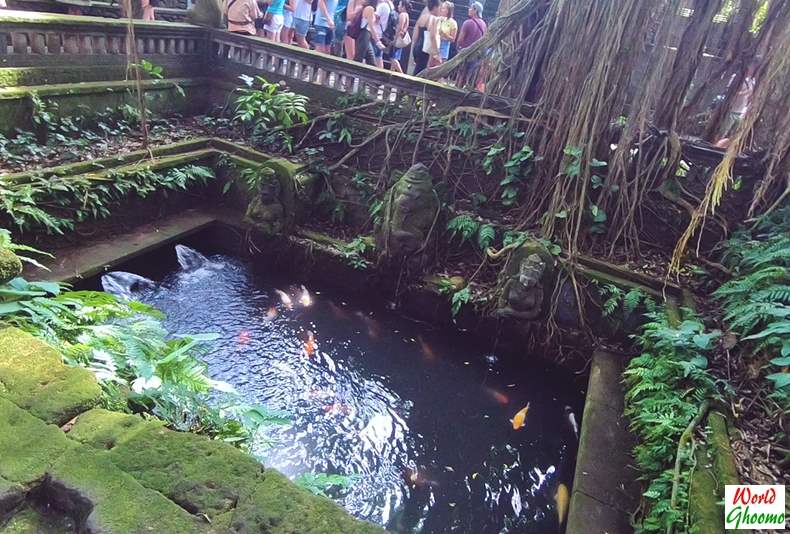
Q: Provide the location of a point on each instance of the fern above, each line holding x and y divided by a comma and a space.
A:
486, 235
463, 226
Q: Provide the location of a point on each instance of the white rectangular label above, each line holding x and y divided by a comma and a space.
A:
751, 507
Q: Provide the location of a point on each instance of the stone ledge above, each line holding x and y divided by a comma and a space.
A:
33, 377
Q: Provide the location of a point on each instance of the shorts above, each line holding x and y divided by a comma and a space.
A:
396, 54
301, 27
377, 52
323, 36
288, 19
275, 25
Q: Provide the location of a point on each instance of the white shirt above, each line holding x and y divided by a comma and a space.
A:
383, 10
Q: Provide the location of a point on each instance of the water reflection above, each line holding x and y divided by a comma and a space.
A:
379, 397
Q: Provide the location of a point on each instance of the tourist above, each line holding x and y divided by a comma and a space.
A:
241, 15
384, 9
287, 33
368, 35
448, 29
324, 24
275, 19
302, 10
340, 27
353, 9
473, 28
419, 34
402, 39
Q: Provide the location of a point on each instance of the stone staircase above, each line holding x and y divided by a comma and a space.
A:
98, 471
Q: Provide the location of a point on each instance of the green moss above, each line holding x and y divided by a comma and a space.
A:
103, 429
11, 496
33, 376
27, 445
719, 441
201, 475
10, 265
27, 521
705, 512
120, 504
278, 506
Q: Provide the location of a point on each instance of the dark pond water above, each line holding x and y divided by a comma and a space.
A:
421, 417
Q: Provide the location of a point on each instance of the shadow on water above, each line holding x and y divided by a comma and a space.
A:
421, 416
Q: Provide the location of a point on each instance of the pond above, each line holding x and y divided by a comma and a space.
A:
422, 418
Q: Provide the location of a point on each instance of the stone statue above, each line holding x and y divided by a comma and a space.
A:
266, 211
524, 282
410, 219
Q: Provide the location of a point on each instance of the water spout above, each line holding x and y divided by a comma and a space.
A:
124, 285
190, 259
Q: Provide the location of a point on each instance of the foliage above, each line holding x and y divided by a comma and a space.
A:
268, 105
665, 385
457, 296
617, 298
319, 483
22, 251
57, 203
516, 169
466, 228
757, 299
128, 349
337, 130
354, 252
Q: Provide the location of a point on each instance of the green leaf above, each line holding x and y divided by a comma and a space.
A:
780, 380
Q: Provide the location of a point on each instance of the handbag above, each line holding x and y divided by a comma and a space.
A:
403, 42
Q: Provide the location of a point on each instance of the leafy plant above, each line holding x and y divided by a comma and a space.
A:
517, 168
665, 386
627, 302
463, 226
459, 298
57, 203
262, 104
757, 299
354, 252
319, 483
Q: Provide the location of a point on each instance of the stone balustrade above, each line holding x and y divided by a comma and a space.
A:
29, 39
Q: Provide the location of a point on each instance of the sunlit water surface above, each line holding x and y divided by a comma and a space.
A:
421, 417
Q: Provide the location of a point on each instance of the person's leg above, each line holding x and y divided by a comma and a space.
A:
348, 44
362, 45
322, 37
274, 27
378, 55
395, 60
301, 27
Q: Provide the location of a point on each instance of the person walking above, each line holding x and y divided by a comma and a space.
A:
420, 33
241, 16
448, 30
368, 35
324, 24
287, 33
302, 10
472, 30
401, 36
383, 10
275, 20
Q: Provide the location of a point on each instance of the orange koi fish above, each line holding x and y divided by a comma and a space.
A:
498, 396
284, 298
271, 313
416, 479
519, 420
304, 298
561, 498
310, 345
427, 350
244, 337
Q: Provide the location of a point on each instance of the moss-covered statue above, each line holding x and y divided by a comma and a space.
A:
266, 211
525, 281
409, 222
10, 265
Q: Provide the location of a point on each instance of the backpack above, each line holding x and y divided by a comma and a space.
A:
392, 25
355, 26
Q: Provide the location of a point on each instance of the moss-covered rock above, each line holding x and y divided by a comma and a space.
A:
280, 507
28, 446
33, 376
211, 478
10, 265
12, 494
118, 503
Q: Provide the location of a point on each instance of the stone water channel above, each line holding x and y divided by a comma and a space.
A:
419, 417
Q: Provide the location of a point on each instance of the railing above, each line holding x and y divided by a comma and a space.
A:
332, 72
43, 39
32, 39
